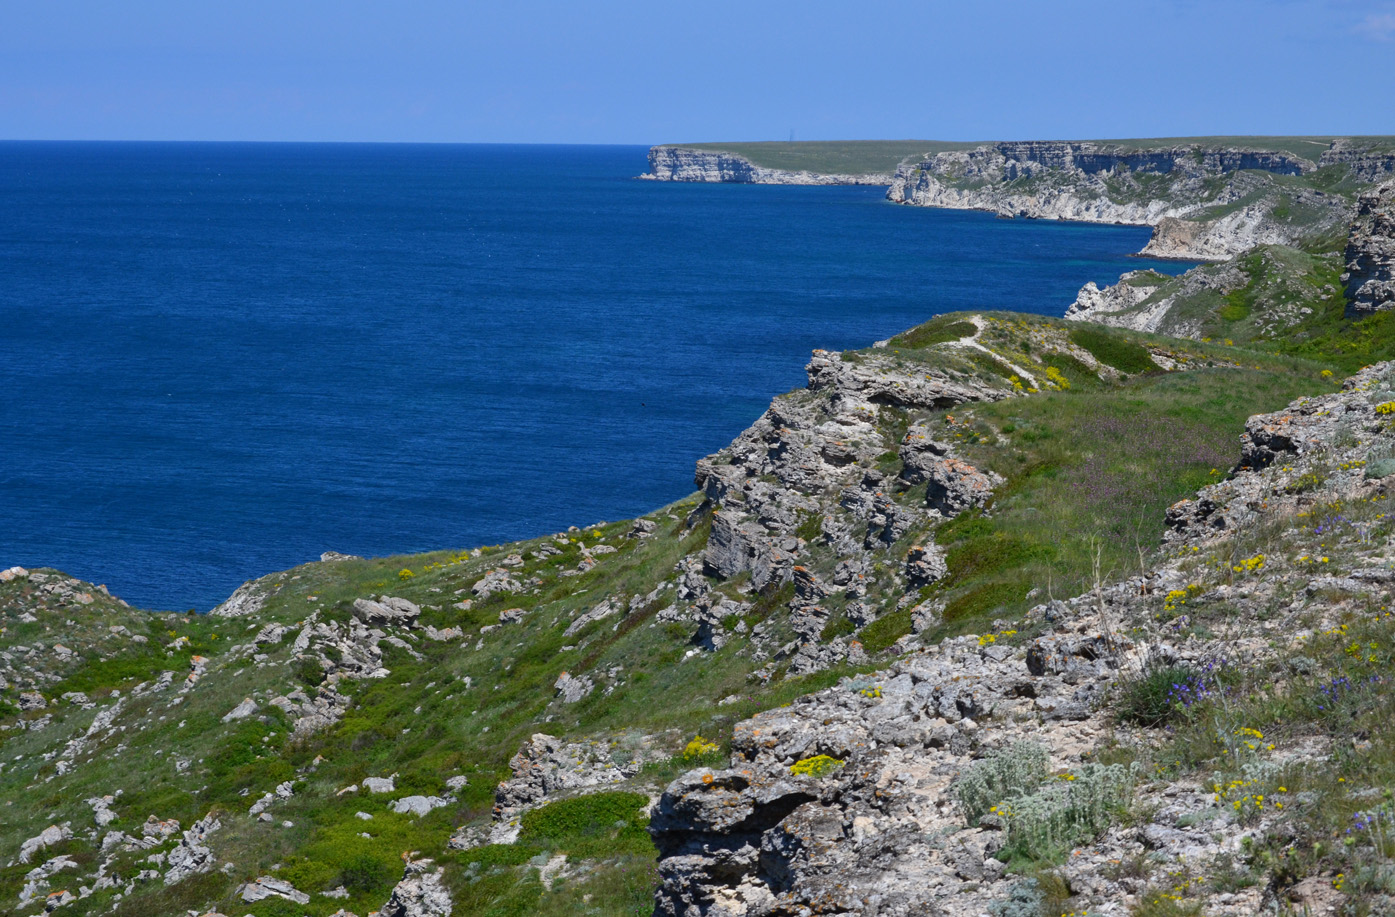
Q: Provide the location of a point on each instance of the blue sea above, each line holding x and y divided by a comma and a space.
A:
219, 360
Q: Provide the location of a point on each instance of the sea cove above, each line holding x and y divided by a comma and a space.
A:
223, 359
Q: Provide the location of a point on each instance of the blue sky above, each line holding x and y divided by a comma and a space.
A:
631, 72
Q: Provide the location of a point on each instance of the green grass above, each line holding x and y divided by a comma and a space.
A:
935, 331
1114, 350
1090, 470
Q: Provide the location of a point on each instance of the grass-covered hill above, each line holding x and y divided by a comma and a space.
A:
179, 758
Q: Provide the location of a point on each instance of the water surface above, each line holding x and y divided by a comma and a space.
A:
220, 360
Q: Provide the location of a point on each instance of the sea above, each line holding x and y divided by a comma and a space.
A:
219, 360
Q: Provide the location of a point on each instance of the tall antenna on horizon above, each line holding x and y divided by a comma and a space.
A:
791, 135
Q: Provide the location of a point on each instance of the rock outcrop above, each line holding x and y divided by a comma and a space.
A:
1370, 253
859, 799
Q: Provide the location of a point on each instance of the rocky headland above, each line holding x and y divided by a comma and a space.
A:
1005, 615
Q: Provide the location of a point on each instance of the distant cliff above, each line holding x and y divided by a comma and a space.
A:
1207, 199
1206, 202
676, 163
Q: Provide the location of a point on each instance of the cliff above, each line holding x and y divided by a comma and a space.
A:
1205, 203
1370, 253
676, 163
911, 789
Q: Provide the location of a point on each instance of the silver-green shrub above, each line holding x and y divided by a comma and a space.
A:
1066, 811
1002, 775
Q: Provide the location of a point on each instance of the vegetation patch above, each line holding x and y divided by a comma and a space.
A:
598, 825
1114, 350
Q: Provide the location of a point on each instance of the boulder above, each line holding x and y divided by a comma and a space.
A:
388, 610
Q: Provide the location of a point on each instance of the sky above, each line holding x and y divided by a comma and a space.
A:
606, 71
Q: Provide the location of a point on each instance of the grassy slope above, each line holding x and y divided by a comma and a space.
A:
856, 157
1095, 460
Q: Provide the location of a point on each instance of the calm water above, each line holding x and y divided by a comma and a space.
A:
219, 360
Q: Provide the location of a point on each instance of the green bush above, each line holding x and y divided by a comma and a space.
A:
1112, 350
307, 875
985, 554
885, 631
1149, 700
1005, 774
984, 599
1067, 811
366, 872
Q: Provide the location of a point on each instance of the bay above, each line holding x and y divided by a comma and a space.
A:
221, 359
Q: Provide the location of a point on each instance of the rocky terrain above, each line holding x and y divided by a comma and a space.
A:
1005, 615
888, 822
1267, 293
492, 731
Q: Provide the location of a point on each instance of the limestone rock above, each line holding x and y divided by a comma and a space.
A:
571, 689
271, 887
241, 711
676, 163
388, 610
192, 855
417, 805
1370, 253
53, 834
495, 581
421, 893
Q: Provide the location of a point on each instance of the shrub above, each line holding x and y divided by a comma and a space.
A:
367, 872
307, 875
816, 767
1160, 695
1063, 812
1111, 350
1024, 900
886, 630
1005, 774
984, 599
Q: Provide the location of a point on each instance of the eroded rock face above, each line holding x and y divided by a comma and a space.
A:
546, 766
816, 446
1099, 182
1370, 253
